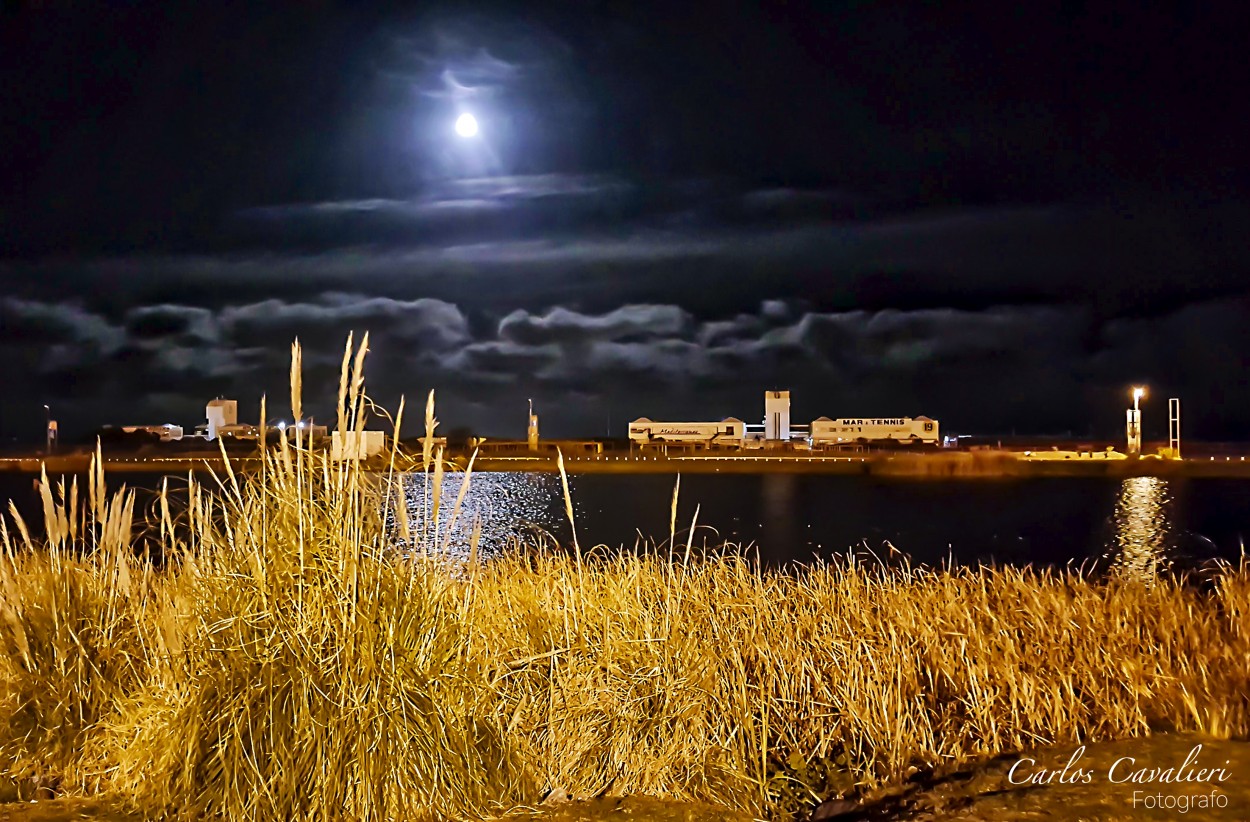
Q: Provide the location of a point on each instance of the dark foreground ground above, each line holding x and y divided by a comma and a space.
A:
987, 792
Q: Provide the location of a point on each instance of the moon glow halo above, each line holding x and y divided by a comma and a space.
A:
466, 125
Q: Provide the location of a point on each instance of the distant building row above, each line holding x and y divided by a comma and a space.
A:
918, 429
775, 428
223, 423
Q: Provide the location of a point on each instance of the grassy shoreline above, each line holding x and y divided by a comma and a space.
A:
233, 686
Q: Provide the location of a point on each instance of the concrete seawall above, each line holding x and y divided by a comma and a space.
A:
938, 466
942, 466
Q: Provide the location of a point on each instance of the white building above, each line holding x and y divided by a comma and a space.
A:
778, 432
167, 432
221, 414
238, 432
356, 445
825, 431
304, 432
727, 432
777, 415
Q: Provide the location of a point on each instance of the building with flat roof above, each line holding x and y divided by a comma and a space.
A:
221, 413
167, 432
777, 431
727, 432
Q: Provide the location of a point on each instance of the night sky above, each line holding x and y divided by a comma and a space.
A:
1001, 215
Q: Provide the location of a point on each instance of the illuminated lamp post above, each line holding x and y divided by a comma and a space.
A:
1132, 428
531, 429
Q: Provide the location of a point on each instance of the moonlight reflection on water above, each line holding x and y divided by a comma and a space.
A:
507, 507
1137, 526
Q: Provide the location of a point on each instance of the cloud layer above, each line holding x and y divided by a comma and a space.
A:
1002, 367
605, 299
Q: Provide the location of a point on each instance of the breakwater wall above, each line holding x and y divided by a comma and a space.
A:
935, 466
939, 466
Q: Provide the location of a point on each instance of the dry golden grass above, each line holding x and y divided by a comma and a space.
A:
288, 663
71, 643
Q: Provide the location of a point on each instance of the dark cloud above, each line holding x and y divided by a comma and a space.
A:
988, 318
1026, 366
1205, 344
182, 323
504, 360
1121, 263
424, 324
475, 209
743, 326
561, 325
469, 58
46, 337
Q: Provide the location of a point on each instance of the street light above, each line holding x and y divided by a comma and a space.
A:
1132, 428
531, 429
47, 429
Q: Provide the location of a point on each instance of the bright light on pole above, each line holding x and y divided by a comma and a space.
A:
1132, 427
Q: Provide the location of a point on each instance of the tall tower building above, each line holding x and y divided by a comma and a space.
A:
777, 415
221, 413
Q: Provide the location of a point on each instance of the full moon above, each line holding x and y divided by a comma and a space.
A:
466, 125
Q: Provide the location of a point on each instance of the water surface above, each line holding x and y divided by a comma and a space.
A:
1141, 524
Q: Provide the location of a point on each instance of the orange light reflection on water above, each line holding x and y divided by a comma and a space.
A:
1142, 522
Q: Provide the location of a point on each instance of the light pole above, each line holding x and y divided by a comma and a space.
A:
47, 430
531, 429
1132, 428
